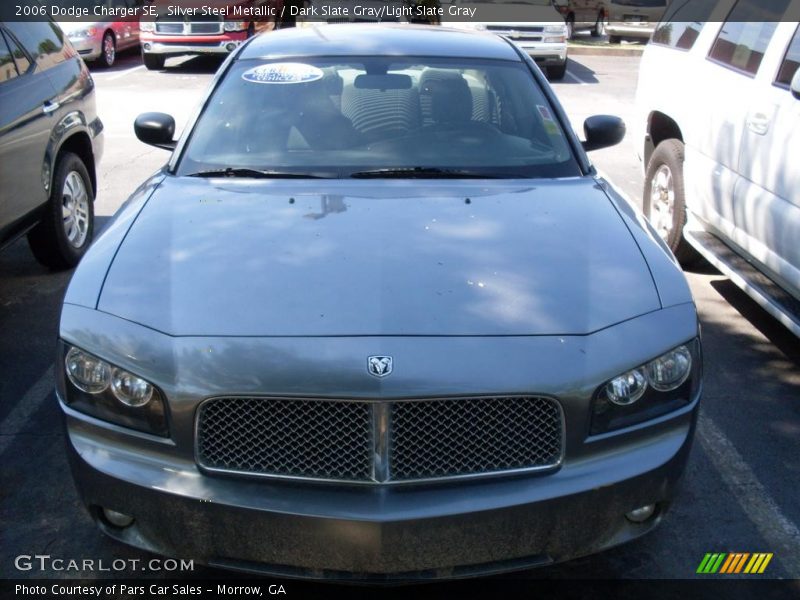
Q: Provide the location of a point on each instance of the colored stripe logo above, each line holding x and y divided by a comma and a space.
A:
734, 562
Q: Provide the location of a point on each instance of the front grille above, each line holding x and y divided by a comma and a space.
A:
174, 28
201, 26
377, 442
205, 28
521, 29
321, 439
444, 438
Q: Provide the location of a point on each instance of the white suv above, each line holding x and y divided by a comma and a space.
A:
718, 120
533, 25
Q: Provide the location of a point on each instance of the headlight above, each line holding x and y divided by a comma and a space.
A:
97, 388
555, 39
130, 389
670, 370
562, 29
147, 26
82, 33
664, 384
86, 372
235, 25
627, 388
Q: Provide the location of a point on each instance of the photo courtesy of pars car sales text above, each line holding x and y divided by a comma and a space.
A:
153, 590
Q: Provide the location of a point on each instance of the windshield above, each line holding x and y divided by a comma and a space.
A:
342, 117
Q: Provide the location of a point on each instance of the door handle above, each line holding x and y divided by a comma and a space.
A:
758, 122
49, 108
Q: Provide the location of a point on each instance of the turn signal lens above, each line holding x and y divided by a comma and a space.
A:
670, 370
129, 389
627, 388
86, 372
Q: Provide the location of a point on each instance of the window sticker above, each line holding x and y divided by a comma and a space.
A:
283, 73
550, 125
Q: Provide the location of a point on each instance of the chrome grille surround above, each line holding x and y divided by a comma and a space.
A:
386, 441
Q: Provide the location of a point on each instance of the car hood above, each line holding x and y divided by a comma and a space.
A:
399, 257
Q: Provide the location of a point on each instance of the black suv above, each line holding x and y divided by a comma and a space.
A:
50, 139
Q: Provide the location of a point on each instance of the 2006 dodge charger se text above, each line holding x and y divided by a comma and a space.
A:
378, 316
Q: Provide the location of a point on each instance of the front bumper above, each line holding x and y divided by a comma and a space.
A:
87, 48
544, 54
340, 532
170, 45
630, 30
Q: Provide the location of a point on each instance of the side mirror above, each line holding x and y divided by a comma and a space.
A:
602, 131
795, 85
156, 129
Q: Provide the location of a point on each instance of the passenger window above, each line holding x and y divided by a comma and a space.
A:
682, 23
746, 33
42, 40
20, 58
790, 62
8, 69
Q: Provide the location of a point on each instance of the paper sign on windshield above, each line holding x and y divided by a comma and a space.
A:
283, 73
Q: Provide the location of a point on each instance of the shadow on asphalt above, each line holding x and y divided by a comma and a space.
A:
195, 65
766, 324
579, 70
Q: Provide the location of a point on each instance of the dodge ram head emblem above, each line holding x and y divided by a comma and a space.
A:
380, 366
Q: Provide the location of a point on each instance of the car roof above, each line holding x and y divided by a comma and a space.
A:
366, 39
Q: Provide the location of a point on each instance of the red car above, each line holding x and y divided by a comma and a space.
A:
194, 28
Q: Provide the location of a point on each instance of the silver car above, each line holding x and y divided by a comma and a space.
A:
99, 41
633, 19
378, 316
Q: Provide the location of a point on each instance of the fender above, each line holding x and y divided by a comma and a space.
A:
71, 124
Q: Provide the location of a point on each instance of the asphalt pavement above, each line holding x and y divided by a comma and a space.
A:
740, 489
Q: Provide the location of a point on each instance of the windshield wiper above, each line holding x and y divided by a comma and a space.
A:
256, 174
422, 173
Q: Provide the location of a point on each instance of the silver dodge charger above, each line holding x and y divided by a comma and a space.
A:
378, 316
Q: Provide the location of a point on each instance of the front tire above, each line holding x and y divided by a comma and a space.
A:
614, 39
557, 72
108, 51
664, 199
63, 235
153, 62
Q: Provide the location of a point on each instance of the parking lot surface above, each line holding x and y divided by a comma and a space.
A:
740, 489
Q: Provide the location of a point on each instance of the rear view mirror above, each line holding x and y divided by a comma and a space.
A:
796, 84
156, 129
389, 81
602, 131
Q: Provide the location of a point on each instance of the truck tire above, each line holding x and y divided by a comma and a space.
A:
153, 62
664, 200
557, 72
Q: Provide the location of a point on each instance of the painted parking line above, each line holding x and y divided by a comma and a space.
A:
17, 420
575, 78
781, 535
124, 73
